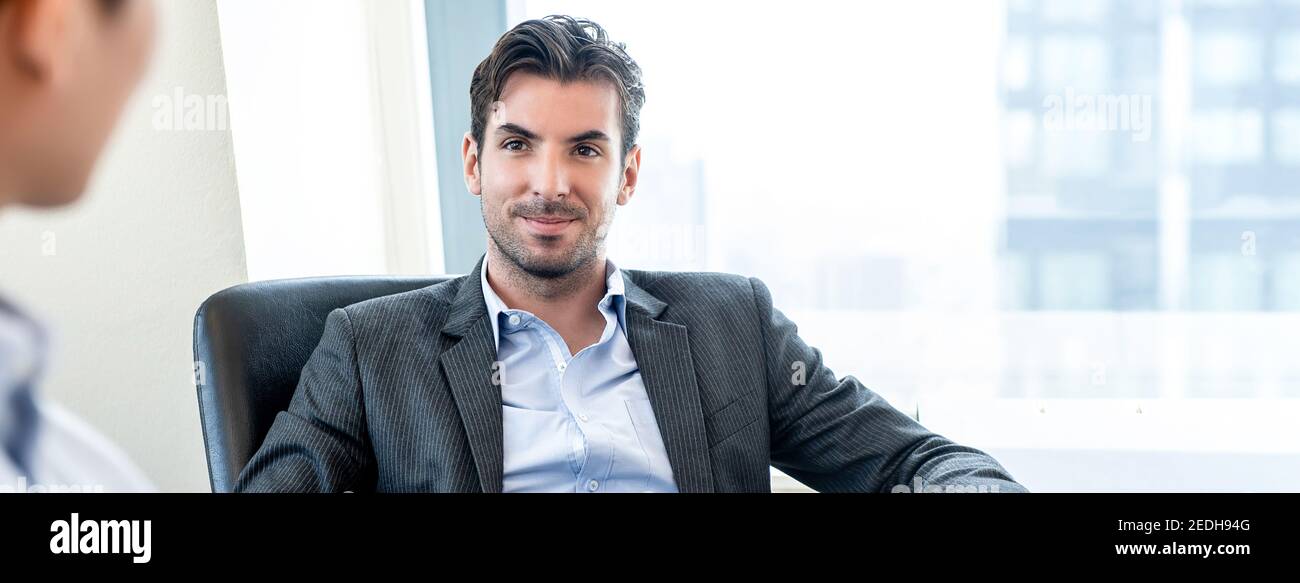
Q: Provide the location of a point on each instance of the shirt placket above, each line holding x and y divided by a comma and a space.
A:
592, 442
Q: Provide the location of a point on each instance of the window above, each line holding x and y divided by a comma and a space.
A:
1025, 220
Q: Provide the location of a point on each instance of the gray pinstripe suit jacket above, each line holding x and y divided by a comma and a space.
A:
398, 397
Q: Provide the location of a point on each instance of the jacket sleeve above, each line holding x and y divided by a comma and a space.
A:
836, 435
320, 444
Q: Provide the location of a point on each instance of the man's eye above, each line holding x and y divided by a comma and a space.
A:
515, 145
587, 151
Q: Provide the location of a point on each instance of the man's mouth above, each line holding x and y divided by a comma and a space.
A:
547, 225
549, 220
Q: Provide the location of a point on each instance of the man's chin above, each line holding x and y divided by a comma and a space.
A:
549, 262
548, 268
542, 257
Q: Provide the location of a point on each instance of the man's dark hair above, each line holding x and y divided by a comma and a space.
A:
565, 49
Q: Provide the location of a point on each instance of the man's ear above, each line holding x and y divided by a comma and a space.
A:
43, 36
469, 155
631, 168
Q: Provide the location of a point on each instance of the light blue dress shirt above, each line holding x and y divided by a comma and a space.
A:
580, 422
44, 447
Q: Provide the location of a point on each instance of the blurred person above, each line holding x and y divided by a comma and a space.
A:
67, 68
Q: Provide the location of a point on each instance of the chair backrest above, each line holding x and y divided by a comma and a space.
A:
250, 344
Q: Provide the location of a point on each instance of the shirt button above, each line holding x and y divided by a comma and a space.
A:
582, 417
593, 485
514, 320
562, 366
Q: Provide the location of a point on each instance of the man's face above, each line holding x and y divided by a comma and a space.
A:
67, 70
550, 172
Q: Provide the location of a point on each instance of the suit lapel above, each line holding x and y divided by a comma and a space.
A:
663, 353
468, 366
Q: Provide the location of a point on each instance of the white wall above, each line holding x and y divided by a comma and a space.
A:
158, 232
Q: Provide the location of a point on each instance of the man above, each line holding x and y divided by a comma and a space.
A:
549, 368
67, 68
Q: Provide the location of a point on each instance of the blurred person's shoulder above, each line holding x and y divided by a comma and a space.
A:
70, 455
67, 454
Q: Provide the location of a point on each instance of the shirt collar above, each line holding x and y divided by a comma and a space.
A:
613, 297
22, 346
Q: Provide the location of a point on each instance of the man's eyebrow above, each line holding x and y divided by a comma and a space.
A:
590, 136
521, 131
516, 129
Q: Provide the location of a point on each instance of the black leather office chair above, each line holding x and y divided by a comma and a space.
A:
250, 344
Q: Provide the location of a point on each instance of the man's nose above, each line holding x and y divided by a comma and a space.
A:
550, 178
